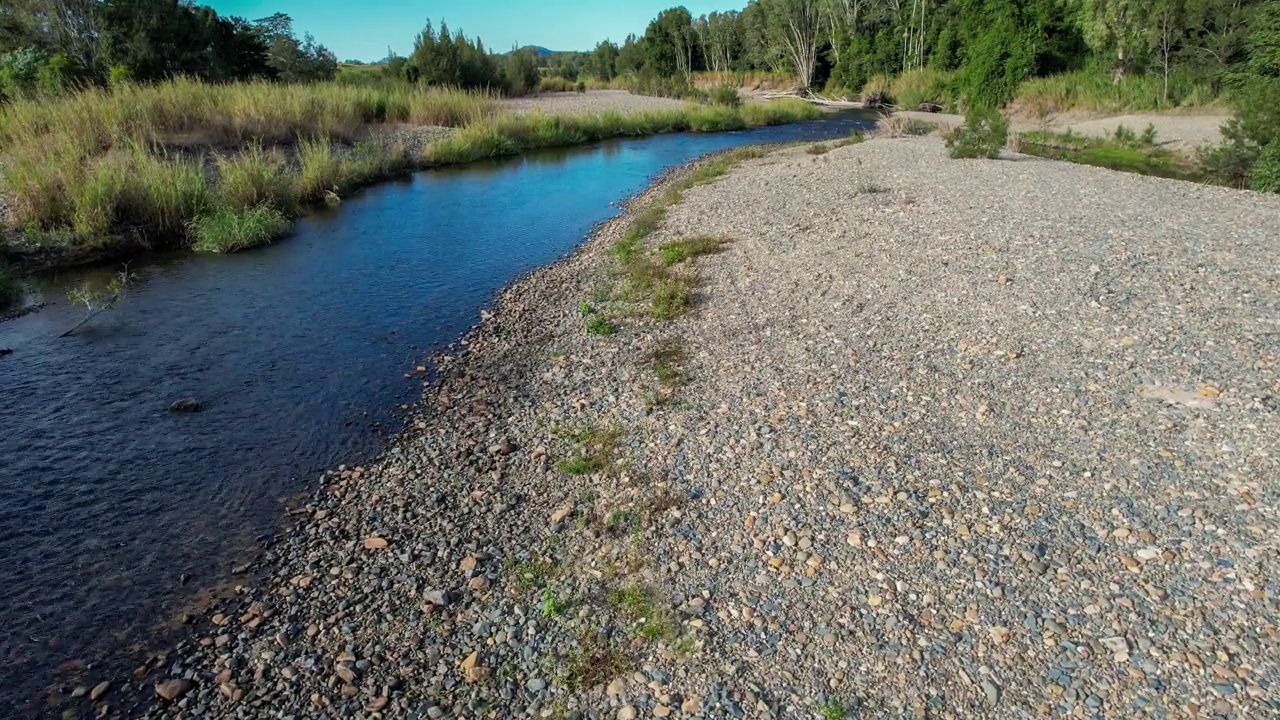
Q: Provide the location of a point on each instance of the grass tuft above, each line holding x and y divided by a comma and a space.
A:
680, 250
593, 449
648, 619
229, 229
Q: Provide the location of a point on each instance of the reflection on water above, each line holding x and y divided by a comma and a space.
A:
114, 510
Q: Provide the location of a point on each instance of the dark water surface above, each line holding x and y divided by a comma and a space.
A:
114, 511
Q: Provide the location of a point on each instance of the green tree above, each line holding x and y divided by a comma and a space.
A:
1263, 41
604, 61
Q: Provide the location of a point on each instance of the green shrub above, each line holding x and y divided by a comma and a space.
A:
229, 229
554, 85
10, 290
725, 95
1265, 175
1254, 126
54, 74
119, 76
983, 134
581, 86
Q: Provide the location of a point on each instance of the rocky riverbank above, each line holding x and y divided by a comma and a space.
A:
938, 439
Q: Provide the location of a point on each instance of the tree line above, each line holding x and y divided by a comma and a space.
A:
48, 45
991, 45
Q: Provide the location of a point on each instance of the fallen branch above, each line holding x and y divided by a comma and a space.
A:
97, 302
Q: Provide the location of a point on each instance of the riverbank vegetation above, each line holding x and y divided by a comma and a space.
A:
226, 167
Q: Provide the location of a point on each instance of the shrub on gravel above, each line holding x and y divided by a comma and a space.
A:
1265, 176
983, 134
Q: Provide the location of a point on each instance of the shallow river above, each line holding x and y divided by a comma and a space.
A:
114, 512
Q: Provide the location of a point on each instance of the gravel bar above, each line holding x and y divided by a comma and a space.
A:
939, 439
590, 102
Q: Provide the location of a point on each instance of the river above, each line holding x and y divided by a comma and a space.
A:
115, 513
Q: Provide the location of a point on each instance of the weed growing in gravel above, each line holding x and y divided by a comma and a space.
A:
818, 149
833, 710
649, 619
668, 363
619, 522
595, 661
595, 322
533, 574
673, 296
680, 250
593, 449
552, 604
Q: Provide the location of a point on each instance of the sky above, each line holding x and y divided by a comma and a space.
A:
363, 30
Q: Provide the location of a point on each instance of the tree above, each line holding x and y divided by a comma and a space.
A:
1117, 27
1263, 41
604, 61
669, 43
1166, 36
522, 75
793, 27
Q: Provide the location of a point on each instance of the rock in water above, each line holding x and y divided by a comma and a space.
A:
172, 690
185, 405
99, 690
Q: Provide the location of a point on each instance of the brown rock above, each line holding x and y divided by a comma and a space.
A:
172, 690
99, 690
374, 542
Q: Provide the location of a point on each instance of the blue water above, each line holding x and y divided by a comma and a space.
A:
114, 512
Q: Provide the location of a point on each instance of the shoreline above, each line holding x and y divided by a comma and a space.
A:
510, 133
446, 364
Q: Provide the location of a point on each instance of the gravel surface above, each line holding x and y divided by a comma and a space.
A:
951, 439
592, 101
1182, 132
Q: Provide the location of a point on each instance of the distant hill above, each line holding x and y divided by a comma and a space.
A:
539, 50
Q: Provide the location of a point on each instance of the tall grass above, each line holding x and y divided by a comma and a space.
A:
752, 80
1096, 92
229, 229
182, 161
512, 134
187, 112
135, 191
914, 87
256, 177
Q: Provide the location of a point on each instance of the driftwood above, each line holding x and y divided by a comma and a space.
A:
816, 99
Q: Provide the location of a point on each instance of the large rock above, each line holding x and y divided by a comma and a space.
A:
173, 690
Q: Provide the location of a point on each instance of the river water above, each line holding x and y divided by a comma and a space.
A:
114, 512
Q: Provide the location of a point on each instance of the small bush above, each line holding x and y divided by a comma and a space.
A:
1265, 175
817, 149
983, 134
230, 229
1254, 126
554, 85
672, 296
581, 87
725, 95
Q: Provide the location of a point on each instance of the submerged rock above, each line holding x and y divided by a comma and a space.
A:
185, 405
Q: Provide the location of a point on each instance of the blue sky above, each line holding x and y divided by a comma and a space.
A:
363, 30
